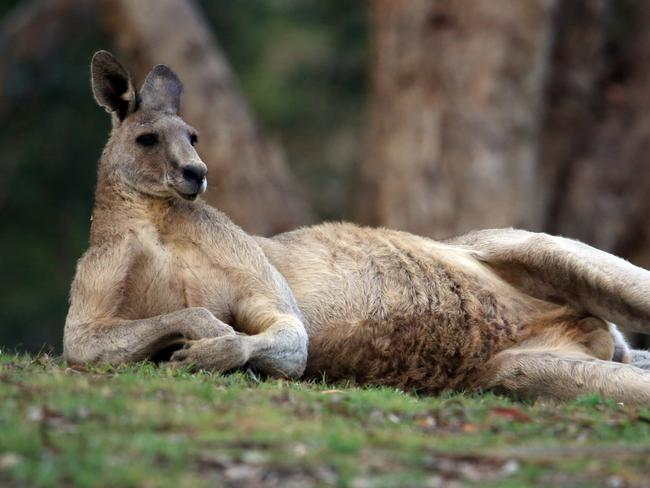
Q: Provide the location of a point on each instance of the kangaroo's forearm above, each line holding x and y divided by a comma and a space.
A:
118, 341
281, 350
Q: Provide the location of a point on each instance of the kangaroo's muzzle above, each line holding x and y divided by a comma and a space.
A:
193, 181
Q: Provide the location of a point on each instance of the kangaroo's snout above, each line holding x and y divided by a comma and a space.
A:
193, 180
194, 173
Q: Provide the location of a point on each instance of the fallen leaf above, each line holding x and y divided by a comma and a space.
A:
427, 422
469, 428
511, 414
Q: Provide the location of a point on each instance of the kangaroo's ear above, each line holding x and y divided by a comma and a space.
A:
112, 85
161, 90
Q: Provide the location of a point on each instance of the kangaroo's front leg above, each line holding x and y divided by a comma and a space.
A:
96, 330
280, 350
275, 340
118, 341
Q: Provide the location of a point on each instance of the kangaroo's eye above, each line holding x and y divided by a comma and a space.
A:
194, 139
147, 139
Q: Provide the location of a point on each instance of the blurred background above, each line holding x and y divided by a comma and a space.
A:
432, 116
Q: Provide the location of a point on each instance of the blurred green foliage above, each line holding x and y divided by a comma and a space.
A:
302, 66
51, 137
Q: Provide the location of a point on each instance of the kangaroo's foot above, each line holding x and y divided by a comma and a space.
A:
553, 374
640, 358
213, 354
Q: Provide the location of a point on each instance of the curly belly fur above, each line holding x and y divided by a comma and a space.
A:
390, 308
442, 348
445, 351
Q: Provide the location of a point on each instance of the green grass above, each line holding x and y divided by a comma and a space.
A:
149, 426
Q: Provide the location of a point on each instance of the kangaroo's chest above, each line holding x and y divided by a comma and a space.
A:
167, 276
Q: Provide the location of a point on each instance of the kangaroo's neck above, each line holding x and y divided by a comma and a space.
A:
120, 209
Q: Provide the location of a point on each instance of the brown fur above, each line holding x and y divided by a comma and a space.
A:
446, 349
373, 305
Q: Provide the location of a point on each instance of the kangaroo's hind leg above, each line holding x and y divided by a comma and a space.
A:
565, 271
552, 374
563, 358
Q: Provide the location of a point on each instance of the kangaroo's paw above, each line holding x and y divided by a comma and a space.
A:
640, 358
213, 354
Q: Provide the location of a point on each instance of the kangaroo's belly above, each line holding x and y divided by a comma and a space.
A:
395, 308
341, 273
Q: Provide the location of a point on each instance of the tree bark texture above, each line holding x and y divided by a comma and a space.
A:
248, 176
604, 196
572, 96
455, 115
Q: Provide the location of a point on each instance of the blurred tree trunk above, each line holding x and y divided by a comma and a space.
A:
603, 197
455, 114
578, 67
248, 175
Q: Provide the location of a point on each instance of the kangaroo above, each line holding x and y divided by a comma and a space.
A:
168, 276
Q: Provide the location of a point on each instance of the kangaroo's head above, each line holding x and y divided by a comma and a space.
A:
151, 149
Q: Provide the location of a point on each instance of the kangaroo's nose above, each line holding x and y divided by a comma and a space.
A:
195, 173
